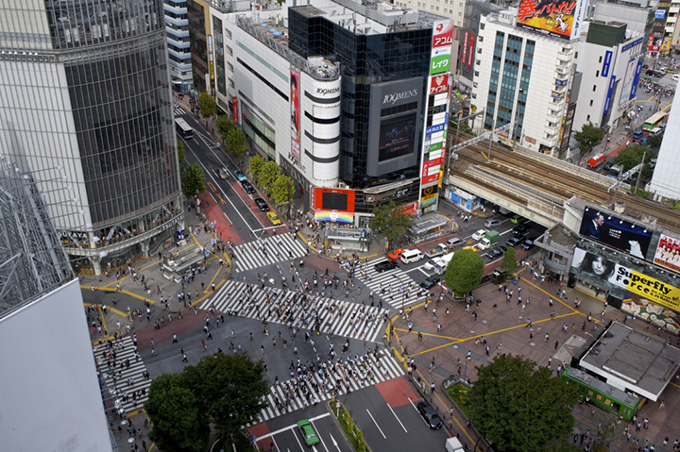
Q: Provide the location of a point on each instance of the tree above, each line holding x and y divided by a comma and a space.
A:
193, 180
391, 220
519, 407
509, 261
181, 151
230, 389
589, 137
654, 141
255, 165
224, 125
207, 105
464, 271
178, 425
268, 174
236, 142
631, 156
283, 189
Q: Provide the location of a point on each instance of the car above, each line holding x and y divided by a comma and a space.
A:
637, 135
520, 230
479, 234
429, 415
386, 265
454, 242
607, 166
248, 187
273, 218
308, 433
494, 254
471, 248
514, 241
239, 175
429, 282
528, 243
676, 77
501, 248
521, 233
492, 223
395, 254
262, 204
221, 173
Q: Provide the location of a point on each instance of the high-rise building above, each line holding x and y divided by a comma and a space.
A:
50, 395
179, 45
199, 27
85, 90
665, 182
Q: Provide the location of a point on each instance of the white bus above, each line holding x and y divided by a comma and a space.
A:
183, 128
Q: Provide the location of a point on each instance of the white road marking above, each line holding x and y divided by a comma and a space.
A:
376, 424
398, 420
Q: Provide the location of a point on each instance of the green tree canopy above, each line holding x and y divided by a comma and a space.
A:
589, 137
181, 151
207, 105
178, 424
391, 220
236, 142
465, 271
509, 262
631, 156
283, 189
224, 125
519, 407
255, 165
193, 180
268, 174
654, 141
230, 389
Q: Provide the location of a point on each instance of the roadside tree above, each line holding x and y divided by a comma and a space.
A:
631, 156
465, 271
207, 105
236, 143
509, 263
255, 165
268, 174
654, 141
391, 220
224, 125
181, 152
283, 189
193, 180
519, 406
589, 137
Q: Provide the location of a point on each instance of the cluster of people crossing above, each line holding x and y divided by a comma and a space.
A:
267, 251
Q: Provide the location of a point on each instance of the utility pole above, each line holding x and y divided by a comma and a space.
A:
637, 183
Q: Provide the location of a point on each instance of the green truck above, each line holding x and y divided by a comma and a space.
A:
489, 239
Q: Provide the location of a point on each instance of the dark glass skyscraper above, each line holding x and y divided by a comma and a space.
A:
85, 105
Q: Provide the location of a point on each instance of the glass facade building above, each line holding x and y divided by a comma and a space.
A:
85, 105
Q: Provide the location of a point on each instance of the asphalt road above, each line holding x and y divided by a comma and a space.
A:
287, 438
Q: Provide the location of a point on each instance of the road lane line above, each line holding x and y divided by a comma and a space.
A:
398, 420
290, 427
318, 433
376, 424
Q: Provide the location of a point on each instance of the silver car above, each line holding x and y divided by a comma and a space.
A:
492, 223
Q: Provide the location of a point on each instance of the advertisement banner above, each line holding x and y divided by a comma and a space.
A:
442, 34
429, 179
660, 14
626, 88
439, 84
295, 113
234, 109
610, 93
472, 49
557, 19
441, 61
466, 37
333, 199
615, 232
636, 80
668, 253
333, 216
435, 129
606, 64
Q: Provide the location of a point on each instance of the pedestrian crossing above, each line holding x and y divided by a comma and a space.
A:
267, 251
400, 289
178, 110
124, 382
340, 318
318, 386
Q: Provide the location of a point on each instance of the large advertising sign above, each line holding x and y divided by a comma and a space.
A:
397, 137
633, 91
610, 93
606, 64
440, 84
668, 253
466, 37
558, 18
615, 232
442, 39
332, 199
628, 81
295, 113
472, 50
633, 281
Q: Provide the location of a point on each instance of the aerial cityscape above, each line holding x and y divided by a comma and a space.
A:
339, 225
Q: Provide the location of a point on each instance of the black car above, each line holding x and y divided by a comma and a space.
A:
520, 230
248, 187
429, 415
262, 204
514, 241
501, 248
387, 265
528, 243
494, 254
429, 282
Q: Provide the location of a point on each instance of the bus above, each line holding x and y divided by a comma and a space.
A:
656, 120
183, 129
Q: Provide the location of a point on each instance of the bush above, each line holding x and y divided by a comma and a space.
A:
353, 434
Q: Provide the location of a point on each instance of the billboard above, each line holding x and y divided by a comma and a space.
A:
442, 39
606, 64
615, 232
610, 93
558, 18
332, 199
440, 84
633, 91
632, 281
295, 113
668, 253
397, 137
627, 87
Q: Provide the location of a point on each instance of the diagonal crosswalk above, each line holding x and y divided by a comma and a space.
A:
400, 290
123, 380
314, 386
340, 318
267, 251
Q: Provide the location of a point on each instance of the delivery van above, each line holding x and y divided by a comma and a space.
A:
411, 256
453, 445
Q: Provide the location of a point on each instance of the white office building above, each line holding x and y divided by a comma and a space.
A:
179, 47
665, 181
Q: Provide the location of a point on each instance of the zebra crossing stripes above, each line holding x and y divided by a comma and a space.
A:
341, 318
267, 251
178, 110
118, 377
395, 282
341, 379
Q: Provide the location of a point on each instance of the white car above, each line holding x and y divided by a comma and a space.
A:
479, 234
429, 266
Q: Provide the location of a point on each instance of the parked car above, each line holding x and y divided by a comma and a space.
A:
492, 223
520, 230
429, 282
528, 243
262, 204
479, 234
308, 433
638, 135
273, 218
501, 248
386, 265
454, 242
395, 255
514, 241
429, 415
221, 173
494, 254
248, 187
239, 175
